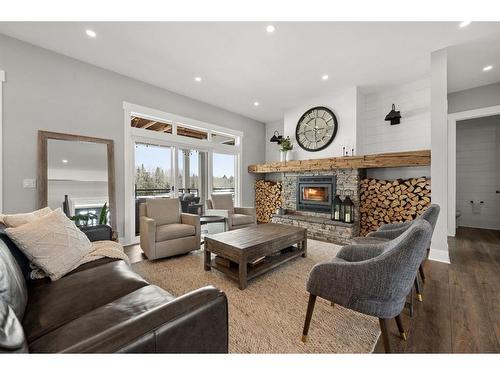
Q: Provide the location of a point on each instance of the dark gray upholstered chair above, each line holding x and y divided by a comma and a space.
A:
372, 279
388, 232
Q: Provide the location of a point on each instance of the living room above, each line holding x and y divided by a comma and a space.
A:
267, 186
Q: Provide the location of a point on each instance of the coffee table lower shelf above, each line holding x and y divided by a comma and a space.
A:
266, 265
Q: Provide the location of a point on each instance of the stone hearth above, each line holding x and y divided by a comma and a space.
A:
319, 225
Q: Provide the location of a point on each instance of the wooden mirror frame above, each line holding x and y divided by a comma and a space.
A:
42, 188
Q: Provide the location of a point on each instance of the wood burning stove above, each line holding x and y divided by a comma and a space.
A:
315, 193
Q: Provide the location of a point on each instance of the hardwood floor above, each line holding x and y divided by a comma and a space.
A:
461, 308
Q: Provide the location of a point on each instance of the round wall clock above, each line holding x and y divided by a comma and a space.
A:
316, 129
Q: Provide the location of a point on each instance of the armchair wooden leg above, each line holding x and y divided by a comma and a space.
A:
385, 334
417, 290
410, 304
310, 309
401, 329
421, 272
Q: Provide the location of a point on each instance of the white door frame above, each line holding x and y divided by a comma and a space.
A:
452, 156
171, 140
2, 80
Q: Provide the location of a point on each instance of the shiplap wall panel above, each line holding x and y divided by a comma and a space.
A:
478, 175
377, 135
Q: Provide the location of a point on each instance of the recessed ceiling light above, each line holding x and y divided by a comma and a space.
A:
270, 29
486, 68
324, 77
256, 104
90, 33
197, 79
464, 24
65, 161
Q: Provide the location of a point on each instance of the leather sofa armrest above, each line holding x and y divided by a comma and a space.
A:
196, 322
147, 230
147, 320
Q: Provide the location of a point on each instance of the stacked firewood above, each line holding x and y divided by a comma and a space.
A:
267, 199
383, 202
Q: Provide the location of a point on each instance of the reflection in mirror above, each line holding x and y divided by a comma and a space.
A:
77, 180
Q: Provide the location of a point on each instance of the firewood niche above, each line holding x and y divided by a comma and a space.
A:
384, 202
377, 201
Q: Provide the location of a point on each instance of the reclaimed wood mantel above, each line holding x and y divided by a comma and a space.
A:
388, 160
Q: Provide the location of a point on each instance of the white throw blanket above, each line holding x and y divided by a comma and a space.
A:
100, 249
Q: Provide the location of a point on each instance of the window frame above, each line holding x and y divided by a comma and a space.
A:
133, 135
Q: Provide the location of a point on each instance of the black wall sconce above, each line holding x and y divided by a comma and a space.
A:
393, 116
276, 138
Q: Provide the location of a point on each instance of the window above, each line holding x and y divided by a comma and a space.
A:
192, 172
167, 155
223, 139
157, 126
184, 131
153, 170
223, 173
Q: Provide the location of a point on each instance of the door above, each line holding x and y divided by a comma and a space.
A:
153, 174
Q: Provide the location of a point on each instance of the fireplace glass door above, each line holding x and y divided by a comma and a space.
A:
316, 194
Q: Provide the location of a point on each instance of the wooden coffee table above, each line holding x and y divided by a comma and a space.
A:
246, 245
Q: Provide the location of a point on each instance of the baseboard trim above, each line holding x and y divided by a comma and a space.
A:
439, 255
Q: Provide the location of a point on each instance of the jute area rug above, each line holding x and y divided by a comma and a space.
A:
268, 316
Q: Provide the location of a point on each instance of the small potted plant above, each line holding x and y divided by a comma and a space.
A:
286, 146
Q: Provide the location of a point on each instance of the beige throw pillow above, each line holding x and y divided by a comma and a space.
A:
53, 243
16, 220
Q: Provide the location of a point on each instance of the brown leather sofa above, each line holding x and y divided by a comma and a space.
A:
104, 307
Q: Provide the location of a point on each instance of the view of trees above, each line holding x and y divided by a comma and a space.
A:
151, 179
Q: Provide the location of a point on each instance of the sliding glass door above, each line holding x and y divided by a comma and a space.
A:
153, 174
223, 173
192, 172
169, 156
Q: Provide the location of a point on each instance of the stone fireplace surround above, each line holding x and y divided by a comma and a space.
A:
319, 225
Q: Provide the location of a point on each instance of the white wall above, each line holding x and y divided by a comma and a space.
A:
49, 91
272, 149
343, 103
477, 97
413, 133
439, 151
57, 189
375, 135
478, 176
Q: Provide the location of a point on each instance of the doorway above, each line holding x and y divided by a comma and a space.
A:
477, 173
453, 120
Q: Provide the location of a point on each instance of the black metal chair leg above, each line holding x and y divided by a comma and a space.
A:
401, 329
309, 313
385, 334
417, 290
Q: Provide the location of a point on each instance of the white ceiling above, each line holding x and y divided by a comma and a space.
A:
241, 63
81, 156
466, 63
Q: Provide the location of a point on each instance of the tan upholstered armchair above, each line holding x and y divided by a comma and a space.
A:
236, 217
165, 231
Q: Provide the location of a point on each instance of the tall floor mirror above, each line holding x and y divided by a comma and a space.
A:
77, 174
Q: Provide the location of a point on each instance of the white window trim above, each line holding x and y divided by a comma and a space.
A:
2, 80
132, 135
